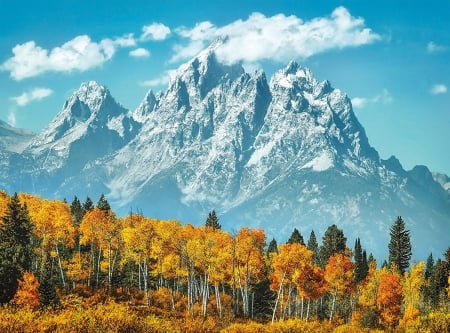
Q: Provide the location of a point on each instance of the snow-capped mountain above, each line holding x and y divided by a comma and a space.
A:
276, 154
91, 124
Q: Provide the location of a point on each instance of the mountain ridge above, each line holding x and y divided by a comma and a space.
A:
278, 154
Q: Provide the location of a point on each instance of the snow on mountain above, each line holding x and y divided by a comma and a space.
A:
443, 180
277, 154
90, 125
13, 139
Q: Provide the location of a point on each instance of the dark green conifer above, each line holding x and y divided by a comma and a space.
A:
399, 245
47, 290
358, 258
103, 204
77, 211
429, 266
333, 242
212, 220
296, 237
314, 247
88, 205
15, 247
273, 247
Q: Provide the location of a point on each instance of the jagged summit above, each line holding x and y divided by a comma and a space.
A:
90, 117
280, 154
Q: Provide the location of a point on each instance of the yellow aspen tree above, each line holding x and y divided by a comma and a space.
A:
412, 285
290, 260
4, 199
220, 270
368, 289
448, 288
92, 233
53, 227
137, 238
248, 263
339, 277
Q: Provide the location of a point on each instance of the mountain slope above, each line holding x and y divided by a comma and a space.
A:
276, 154
13, 139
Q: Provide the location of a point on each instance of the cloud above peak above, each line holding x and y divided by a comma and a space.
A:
278, 37
33, 95
80, 53
155, 31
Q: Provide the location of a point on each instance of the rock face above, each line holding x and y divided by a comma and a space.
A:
277, 155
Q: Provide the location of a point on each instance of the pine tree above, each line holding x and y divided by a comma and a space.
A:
273, 247
358, 257
399, 245
333, 242
88, 205
436, 285
314, 247
429, 267
47, 289
103, 204
365, 265
212, 220
77, 211
15, 247
296, 237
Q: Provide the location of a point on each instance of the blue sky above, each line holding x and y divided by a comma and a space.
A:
390, 57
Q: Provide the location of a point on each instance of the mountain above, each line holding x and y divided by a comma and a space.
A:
277, 154
443, 180
13, 139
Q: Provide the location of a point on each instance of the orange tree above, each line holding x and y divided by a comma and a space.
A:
389, 298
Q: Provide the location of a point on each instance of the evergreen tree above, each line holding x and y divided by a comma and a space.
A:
365, 265
333, 242
436, 285
88, 205
371, 260
103, 204
47, 289
212, 220
399, 245
273, 247
263, 299
429, 266
77, 211
314, 247
15, 247
296, 237
358, 257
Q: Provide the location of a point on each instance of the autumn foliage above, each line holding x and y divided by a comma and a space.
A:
140, 274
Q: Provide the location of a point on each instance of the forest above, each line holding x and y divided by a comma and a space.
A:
77, 267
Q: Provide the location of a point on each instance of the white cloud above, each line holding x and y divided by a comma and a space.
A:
382, 98
438, 89
155, 31
33, 95
278, 38
160, 81
359, 102
80, 53
140, 53
432, 47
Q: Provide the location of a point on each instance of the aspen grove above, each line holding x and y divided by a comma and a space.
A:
144, 274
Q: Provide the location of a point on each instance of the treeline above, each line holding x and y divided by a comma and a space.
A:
61, 256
